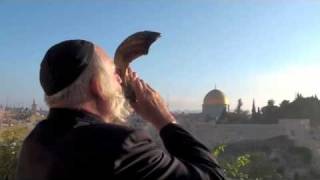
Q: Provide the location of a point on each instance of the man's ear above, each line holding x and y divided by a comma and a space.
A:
95, 88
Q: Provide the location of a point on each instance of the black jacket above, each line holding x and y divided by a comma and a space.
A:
77, 145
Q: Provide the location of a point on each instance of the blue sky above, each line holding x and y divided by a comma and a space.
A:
249, 49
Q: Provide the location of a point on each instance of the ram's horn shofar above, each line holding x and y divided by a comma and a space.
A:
134, 46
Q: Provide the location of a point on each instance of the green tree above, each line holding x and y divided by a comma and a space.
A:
233, 168
270, 113
10, 143
240, 103
253, 166
301, 107
261, 168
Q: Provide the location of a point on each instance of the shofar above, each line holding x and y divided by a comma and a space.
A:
132, 47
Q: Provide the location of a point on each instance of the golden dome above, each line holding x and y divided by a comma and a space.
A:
215, 97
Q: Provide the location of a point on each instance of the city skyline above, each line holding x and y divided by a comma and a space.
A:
250, 49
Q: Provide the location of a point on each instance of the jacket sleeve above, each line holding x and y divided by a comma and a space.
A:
186, 159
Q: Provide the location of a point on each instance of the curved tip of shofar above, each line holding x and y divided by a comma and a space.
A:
132, 47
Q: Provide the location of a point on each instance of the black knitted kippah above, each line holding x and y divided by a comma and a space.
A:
63, 64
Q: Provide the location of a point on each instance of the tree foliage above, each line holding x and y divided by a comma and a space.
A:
233, 169
301, 107
247, 166
239, 106
10, 143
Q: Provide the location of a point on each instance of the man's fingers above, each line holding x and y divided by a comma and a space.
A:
141, 88
138, 87
150, 88
131, 74
146, 88
132, 77
143, 84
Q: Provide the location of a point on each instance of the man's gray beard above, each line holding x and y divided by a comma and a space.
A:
120, 108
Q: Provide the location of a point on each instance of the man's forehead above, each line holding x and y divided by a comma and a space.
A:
101, 52
103, 55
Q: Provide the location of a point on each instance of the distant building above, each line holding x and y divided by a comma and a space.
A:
34, 107
215, 105
1, 114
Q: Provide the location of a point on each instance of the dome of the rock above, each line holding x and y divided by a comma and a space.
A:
215, 97
215, 104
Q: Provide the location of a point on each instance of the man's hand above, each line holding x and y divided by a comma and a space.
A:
149, 105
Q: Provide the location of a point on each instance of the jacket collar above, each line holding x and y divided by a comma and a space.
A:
73, 117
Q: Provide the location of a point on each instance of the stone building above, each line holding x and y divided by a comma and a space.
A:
34, 107
215, 104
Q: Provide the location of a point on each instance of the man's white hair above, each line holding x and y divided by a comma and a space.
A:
76, 94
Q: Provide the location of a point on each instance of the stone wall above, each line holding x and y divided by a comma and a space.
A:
212, 134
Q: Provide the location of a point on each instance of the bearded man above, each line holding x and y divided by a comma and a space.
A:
85, 136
